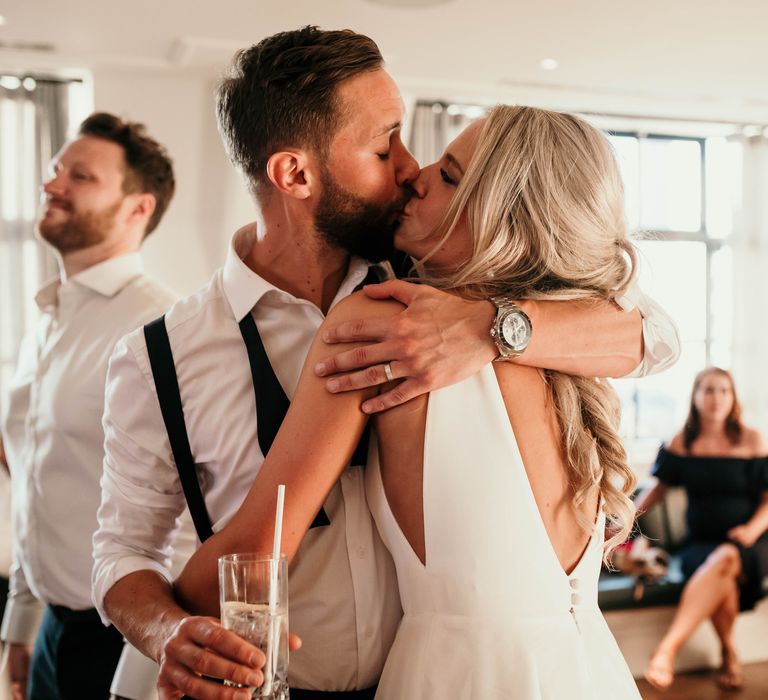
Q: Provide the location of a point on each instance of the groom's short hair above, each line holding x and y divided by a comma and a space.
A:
282, 92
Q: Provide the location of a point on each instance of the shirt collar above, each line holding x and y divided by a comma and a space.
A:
106, 278
244, 289
47, 297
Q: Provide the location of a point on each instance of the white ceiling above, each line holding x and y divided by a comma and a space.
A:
673, 57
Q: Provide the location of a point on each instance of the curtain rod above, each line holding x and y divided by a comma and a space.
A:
40, 78
689, 120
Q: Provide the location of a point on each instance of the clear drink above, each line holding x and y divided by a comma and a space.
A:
252, 622
254, 605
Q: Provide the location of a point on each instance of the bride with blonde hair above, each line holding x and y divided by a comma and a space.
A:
493, 495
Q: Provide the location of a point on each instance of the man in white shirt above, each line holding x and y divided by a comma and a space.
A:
108, 190
313, 121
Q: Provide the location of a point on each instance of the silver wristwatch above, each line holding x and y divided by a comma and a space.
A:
511, 329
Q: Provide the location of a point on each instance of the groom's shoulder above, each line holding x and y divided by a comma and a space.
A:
205, 305
192, 321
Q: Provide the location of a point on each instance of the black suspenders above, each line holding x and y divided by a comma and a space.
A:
271, 402
167, 386
271, 407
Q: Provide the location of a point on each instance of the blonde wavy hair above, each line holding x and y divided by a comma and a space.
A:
543, 199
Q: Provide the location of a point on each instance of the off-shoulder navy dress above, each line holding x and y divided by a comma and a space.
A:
723, 492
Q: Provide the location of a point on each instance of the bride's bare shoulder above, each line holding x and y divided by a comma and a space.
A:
358, 306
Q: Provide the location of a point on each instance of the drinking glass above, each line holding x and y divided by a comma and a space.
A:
248, 609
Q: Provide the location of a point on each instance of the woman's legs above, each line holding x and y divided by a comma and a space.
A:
723, 620
709, 587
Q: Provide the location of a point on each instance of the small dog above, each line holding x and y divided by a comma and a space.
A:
641, 560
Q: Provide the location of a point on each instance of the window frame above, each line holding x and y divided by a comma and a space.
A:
712, 246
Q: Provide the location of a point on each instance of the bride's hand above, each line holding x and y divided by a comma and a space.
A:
438, 340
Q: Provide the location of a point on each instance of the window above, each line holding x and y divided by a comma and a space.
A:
678, 197
35, 115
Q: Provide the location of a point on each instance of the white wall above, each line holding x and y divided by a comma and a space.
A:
211, 200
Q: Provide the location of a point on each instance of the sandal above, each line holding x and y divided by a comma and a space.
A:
730, 677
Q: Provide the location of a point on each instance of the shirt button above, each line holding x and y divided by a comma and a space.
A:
361, 552
574, 583
575, 599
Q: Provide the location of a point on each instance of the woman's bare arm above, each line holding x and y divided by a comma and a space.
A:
649, 497
314, 444
748, 533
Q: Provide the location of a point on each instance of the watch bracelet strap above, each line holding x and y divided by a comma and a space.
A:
505, 303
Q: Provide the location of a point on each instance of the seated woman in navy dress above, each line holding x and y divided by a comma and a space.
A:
721, 464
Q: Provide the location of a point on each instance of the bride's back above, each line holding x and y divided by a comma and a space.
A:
533, 420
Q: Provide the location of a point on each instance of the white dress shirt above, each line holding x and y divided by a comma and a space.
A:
53, 433
136, 675
660, 337
343, 592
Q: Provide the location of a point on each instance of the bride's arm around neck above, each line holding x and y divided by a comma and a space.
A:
315, 443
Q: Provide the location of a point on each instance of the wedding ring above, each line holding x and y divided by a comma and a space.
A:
388, 371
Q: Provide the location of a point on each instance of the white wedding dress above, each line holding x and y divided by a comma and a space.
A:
492, 615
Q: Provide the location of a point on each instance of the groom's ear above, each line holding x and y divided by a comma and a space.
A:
291, 172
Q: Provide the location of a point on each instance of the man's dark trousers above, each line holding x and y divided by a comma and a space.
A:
75, 656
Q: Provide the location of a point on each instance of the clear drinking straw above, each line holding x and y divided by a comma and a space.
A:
272, 650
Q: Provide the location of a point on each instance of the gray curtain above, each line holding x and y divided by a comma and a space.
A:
33, 127
435, 125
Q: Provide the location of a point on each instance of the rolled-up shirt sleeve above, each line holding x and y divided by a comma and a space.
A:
141, 496
661, 341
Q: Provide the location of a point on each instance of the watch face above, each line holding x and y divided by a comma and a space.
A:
516, 330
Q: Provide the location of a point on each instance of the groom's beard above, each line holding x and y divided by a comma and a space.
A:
360, 227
